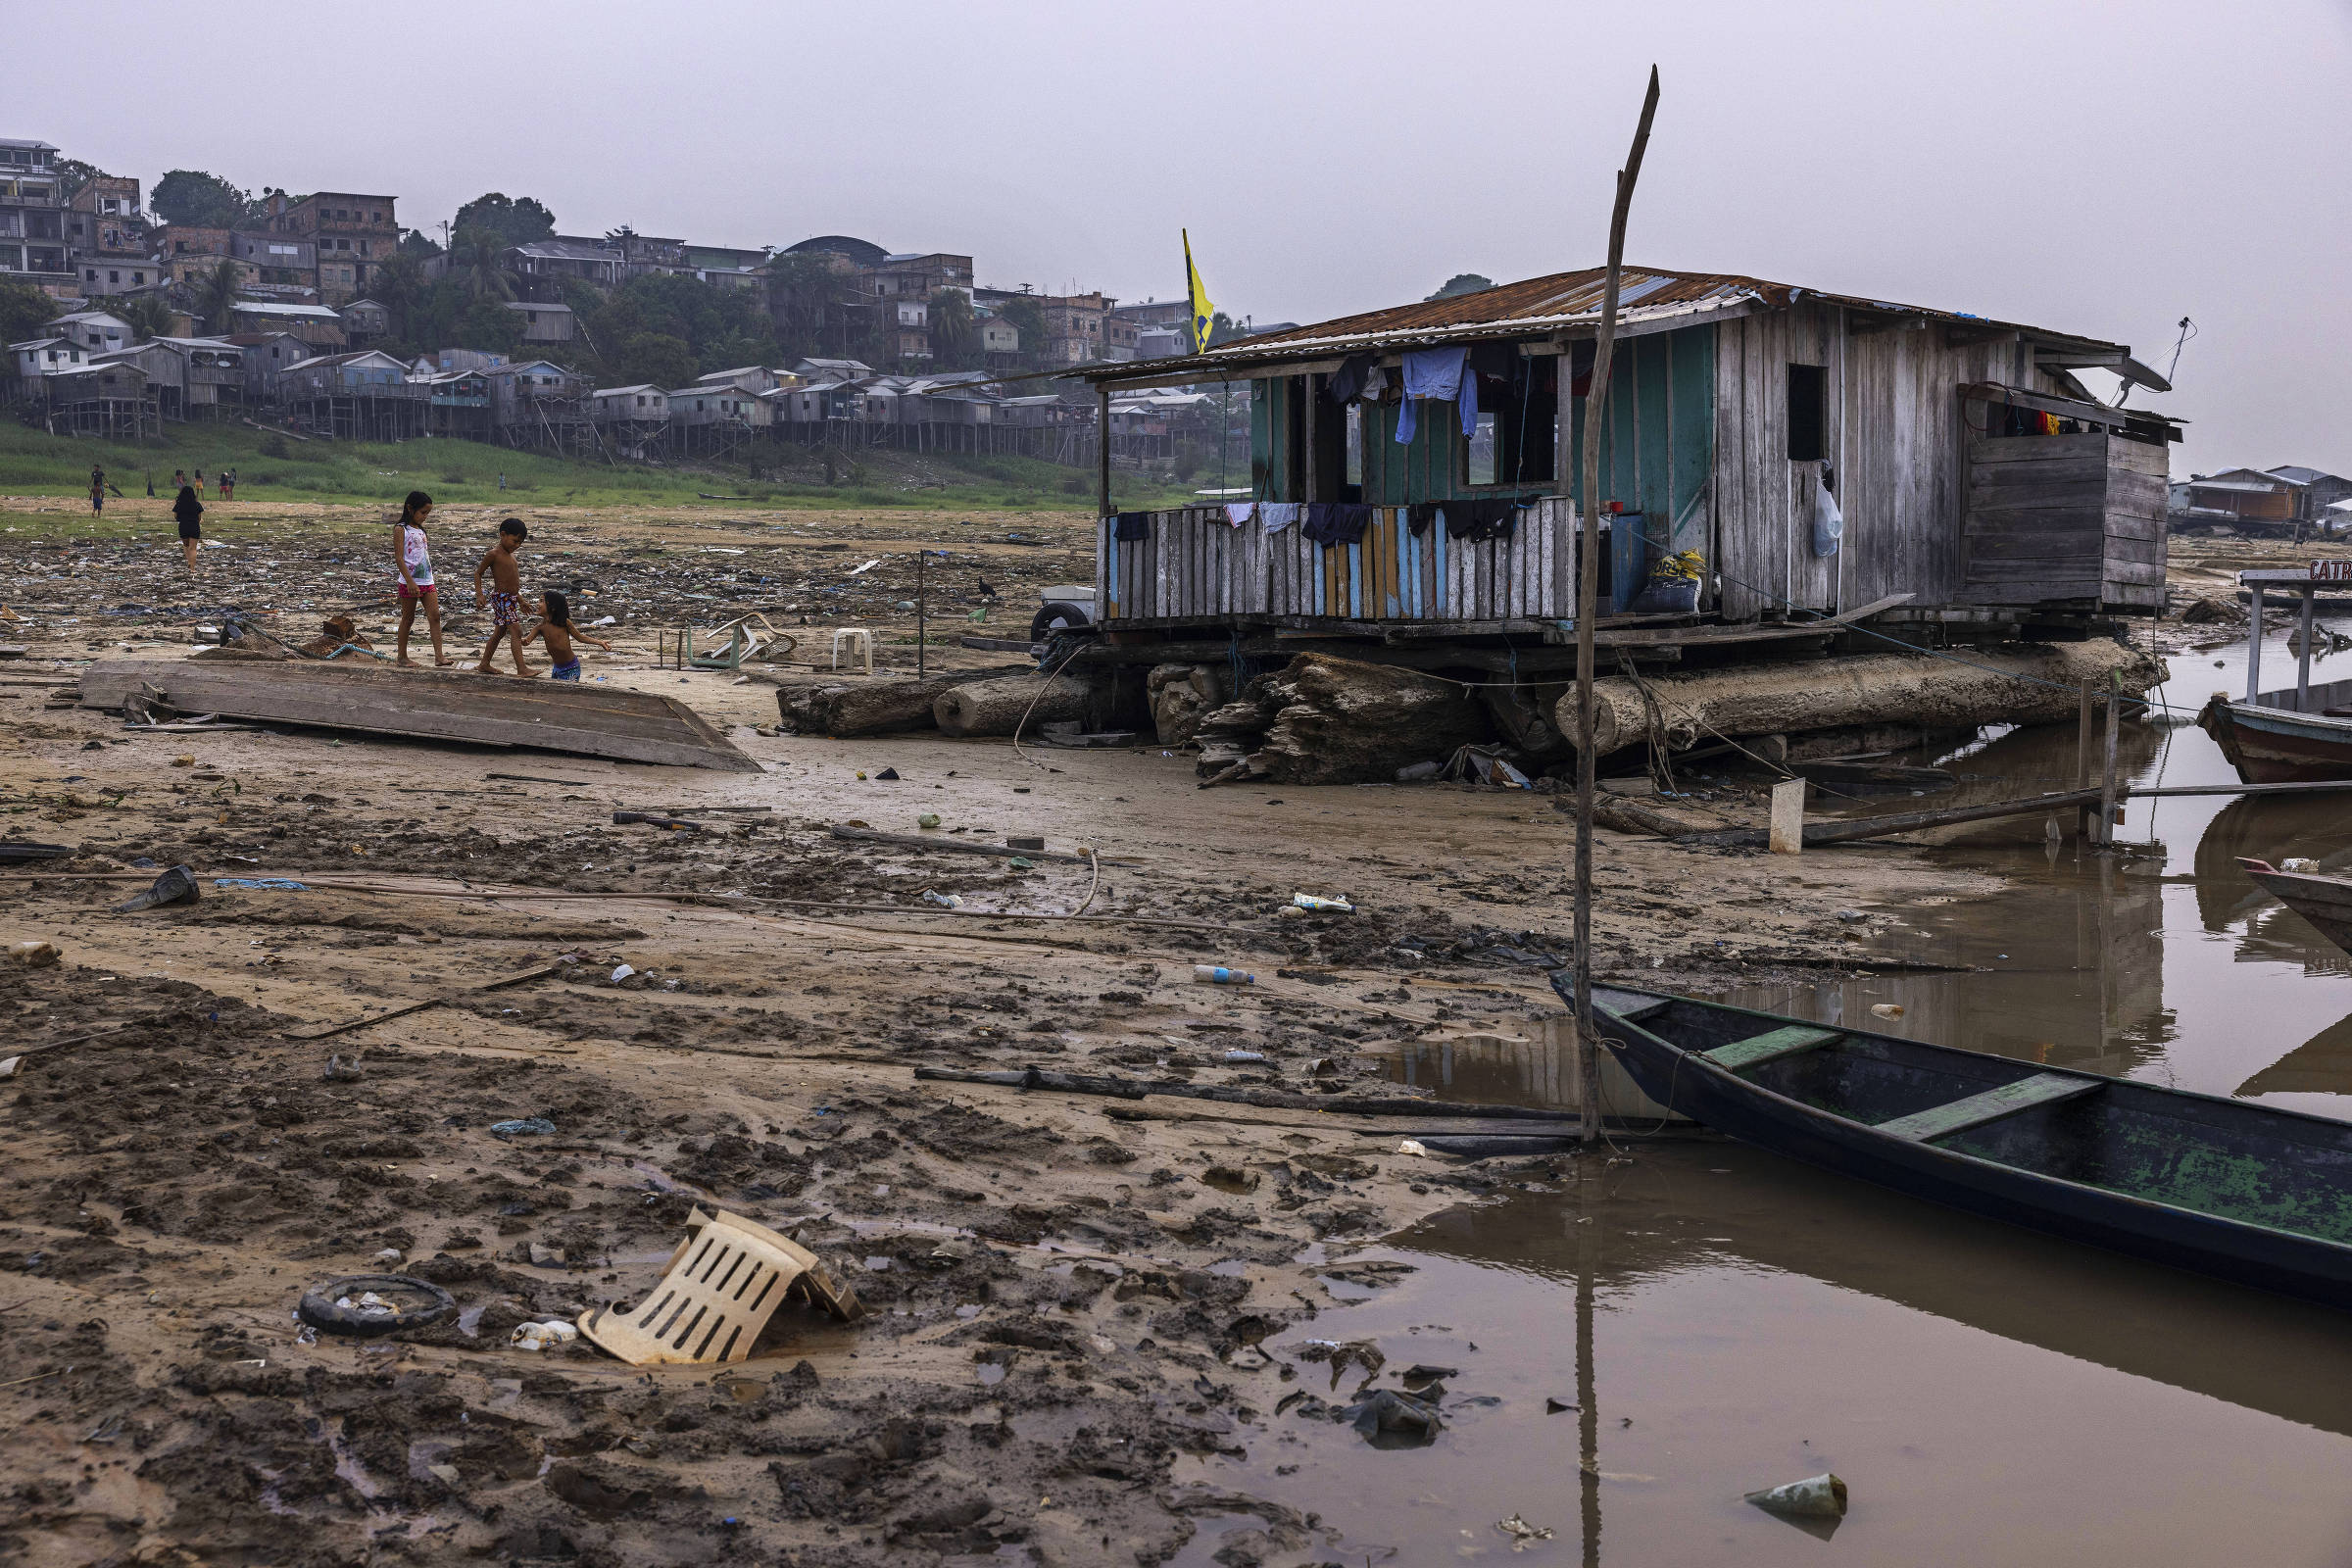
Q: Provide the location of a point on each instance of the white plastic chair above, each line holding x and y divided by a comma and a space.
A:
862, 644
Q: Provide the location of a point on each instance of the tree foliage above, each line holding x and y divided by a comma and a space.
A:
488, 325
954, 335
417, 243
656, 357
147, 315
199, 200
1028, 318
514, 219
23, 311
718, 328
806, 297
1462, 283
478, 262
217, 297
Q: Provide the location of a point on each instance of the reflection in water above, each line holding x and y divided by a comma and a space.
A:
2321, 1065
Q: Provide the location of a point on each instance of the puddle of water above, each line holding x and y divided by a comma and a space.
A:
1724, 1320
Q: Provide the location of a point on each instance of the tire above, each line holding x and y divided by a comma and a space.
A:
319, 1311
1058, 614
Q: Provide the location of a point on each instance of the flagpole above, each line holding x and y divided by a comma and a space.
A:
1587, 600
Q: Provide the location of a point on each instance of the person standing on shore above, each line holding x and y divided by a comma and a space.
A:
97, 488
505, 600
412, 563
199, 484
228, 485
188, 509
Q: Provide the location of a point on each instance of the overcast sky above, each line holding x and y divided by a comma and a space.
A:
2101, 169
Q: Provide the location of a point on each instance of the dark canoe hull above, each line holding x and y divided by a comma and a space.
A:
2246, 1253
2326, 902
2277, 744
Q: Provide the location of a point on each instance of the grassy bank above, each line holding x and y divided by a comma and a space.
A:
275, 468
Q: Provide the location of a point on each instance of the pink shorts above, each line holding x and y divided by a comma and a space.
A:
422, 590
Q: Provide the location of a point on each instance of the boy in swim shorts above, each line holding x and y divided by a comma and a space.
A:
504, 601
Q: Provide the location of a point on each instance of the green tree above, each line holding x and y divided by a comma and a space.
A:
417, 243
478, 259
517, 220
1462, 283
199, 200
656, 358
399, 287
805, 298
1028, 318
487, 324
217, 297
23, 311
146, 314
954, 337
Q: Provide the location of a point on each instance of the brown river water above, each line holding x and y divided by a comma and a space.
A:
1724, 1321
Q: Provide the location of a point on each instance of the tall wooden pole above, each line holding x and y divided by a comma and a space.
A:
1103, 449
1588, 608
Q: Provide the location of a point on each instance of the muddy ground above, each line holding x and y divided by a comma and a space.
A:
1068, 1295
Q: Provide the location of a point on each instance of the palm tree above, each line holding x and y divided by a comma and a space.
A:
399, 283
217, 297
950, 318
148, 316
478, 259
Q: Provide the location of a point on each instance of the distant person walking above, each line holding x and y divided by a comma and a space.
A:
412, 563
228, 485
97, 488
189, 511
200, 484
179, 480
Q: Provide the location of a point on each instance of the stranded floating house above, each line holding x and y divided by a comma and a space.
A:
1772, 455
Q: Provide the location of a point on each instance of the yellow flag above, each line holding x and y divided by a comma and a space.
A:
1204, 314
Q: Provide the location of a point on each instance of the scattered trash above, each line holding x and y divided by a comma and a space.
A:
890, 773
1308, 901
18, 852
1886, 1009
8, 1068
1020, 863
621, 973
1523, 1535
33, 954
1851, 914
339, 1071
927, 819
280, 884
1239, 1056
1218, 975
175, 886
524, 1126
1417, 772
1388, 1419
1821, 1497
1412, 1145
2301, 864
543, 1256
390, 1255
718, 1326
946, 901
1025, 841
1482, 764
365, 1305
539, 1335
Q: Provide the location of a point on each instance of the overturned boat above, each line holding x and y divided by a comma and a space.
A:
2248, 1193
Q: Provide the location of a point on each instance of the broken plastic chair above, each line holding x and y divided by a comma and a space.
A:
722, 1285
175, 886
861, 640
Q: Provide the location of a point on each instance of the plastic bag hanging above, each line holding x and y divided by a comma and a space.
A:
1829, 522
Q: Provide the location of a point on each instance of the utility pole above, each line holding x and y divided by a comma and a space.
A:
1587, 600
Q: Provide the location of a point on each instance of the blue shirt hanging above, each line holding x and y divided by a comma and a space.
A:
1438, 373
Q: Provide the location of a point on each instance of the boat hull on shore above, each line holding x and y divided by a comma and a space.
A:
2246, 1193
2277, 744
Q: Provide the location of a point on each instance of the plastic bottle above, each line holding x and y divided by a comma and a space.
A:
1308, 901
1218, 975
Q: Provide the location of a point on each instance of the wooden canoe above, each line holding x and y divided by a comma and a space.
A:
2324, 900
2247, 1193
2279, 744
579, 719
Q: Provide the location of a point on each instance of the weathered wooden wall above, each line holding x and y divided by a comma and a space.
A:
2064, 517
1197, 566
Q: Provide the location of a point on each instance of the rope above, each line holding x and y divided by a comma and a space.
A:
1045, 681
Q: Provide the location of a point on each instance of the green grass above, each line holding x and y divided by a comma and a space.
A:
33, 462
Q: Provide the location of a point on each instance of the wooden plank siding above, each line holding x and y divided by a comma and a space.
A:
2064, 517
1197, 566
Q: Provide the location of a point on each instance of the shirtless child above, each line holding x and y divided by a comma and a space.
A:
558, 631
505, 604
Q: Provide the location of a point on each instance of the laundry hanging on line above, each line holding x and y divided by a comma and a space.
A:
1238, 513
1483, 519
1347, 383
1336, 523
1438, 374
1133, 525
1278, 514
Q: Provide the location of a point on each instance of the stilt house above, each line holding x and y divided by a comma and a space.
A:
1968, 474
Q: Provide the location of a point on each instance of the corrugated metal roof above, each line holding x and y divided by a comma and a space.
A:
1555, 303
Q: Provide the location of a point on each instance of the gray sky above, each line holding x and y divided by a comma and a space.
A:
2103, 168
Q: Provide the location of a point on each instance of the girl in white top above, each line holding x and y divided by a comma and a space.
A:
414, 565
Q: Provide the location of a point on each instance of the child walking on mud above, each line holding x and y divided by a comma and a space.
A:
558, 631
505, 604
412, 563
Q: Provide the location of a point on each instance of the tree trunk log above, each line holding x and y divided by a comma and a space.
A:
994, 706
1339, 721
1876, 688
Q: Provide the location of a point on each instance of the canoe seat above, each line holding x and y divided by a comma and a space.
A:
1757, 1049
1630, 1005
1959, 1115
